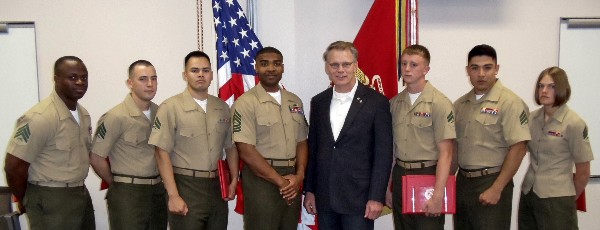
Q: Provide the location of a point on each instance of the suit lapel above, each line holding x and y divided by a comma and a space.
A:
357, 103
326, 108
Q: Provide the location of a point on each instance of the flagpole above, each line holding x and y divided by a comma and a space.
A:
414, 22
252, 18
200, 26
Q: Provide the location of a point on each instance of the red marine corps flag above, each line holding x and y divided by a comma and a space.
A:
377, 44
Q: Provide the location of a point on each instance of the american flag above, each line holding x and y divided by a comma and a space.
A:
236, 48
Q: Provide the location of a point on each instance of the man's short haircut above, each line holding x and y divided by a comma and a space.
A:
64, 59
136, 63
418, 50
562, 88
268, 49
483, 50
197, 54
341, 46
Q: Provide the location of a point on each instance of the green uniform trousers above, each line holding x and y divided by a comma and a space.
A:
137, 206
471, 214
59, 208
411, 221
206, 209
264, 207
547, 213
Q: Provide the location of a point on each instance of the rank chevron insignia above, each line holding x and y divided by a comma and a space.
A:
101, 131
237, 122
23, 133
157, 123
523, 118
450, 117
585, 134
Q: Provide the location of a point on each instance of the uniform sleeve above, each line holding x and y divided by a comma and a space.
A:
163, 127
302, 134
515, 122
243, 122
31, 134
107, 133
443, 123
579, 142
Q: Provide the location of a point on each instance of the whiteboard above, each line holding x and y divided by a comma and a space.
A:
19, 74
579, 56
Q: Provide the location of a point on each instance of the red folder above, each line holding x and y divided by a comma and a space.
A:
417, 189
239, 193
581, 206
224, 178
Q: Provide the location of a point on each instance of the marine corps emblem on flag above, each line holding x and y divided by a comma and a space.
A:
23, 133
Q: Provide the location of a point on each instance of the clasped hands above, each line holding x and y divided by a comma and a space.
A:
289, 190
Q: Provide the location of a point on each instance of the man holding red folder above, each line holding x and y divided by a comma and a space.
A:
190, 131
423, 121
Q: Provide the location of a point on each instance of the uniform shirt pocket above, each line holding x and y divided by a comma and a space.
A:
64, 144
265, 126
223, 125
487, 119
421, 122
298, 118
489, 124
135, 138
191, 132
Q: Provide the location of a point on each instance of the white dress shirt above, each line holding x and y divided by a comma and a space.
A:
340, 104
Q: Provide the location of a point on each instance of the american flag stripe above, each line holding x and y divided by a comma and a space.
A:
237, 45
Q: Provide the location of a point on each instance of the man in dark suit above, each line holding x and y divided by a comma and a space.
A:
350, 143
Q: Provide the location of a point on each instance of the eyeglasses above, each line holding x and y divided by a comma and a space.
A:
344, 65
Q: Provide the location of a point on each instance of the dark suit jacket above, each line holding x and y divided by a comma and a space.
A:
346, 173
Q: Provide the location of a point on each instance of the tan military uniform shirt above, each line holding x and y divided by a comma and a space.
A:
486, 128
554, 149
273, 129
49, 138
122, 135
194, 138
418, 128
